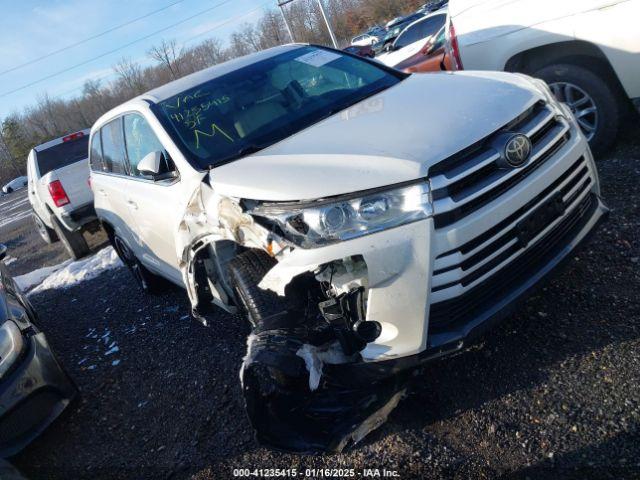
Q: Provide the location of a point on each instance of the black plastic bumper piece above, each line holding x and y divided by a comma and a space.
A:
83, 214
32, 396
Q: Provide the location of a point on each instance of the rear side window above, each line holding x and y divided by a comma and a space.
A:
95, 154
422, 30
113, 155
140, 141
62, 155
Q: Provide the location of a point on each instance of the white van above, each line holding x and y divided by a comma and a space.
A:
59, 191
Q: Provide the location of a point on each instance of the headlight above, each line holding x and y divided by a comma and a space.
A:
542, 87
312, 224
11, 345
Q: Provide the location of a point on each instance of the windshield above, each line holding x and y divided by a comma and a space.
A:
63, 154
253, 107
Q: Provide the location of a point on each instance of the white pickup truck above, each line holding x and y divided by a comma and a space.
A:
588, 51
59, 191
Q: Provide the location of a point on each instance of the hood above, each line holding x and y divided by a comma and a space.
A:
477, 21
390, 138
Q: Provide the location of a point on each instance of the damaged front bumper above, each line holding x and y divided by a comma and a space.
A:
300, 398
353, 319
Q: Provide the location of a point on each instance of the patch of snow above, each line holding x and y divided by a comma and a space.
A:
69, 273
9, 260
112, 350
115, 363
29, 280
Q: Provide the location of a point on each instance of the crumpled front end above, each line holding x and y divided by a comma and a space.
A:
314, 315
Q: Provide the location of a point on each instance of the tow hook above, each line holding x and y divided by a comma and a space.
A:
345, 314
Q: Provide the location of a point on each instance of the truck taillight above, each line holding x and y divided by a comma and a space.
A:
455, 48
89, 182
58, 195
73, 136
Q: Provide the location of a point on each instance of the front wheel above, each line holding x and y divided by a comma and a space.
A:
245, 273
591, 99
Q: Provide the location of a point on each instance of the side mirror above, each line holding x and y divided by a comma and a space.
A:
150, 163
3, 251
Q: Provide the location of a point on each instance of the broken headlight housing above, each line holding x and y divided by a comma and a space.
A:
331, 220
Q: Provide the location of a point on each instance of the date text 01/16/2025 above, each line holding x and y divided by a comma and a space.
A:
316, 473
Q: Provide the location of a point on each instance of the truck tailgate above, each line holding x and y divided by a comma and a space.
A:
74, 179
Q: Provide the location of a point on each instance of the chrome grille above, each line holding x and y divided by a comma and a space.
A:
477, 301
472, 178
473, 261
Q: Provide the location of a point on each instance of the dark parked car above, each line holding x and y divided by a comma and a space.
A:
361, 50
34, 389
433, 6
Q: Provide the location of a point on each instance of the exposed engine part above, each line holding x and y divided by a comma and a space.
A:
346, 315
302, 389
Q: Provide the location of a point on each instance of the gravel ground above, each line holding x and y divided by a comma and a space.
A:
552, 392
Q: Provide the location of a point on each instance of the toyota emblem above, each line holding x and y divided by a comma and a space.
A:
517, 150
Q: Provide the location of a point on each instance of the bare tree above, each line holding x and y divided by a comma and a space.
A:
130, 73
167, 54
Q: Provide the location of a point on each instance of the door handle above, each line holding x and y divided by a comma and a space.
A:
102, 192
132, 204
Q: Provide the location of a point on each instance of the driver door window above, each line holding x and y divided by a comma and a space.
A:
410, 35
140, 141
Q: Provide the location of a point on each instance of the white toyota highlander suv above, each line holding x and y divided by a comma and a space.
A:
365, 220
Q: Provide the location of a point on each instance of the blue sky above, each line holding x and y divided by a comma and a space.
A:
30, 29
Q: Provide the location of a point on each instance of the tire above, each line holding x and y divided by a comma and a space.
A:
48, 234
9, 190
245, 273
601, 94
74, 242
148, 282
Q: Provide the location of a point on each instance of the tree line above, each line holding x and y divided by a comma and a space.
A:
51, 117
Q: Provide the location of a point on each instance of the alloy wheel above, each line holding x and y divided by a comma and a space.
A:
581, 104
